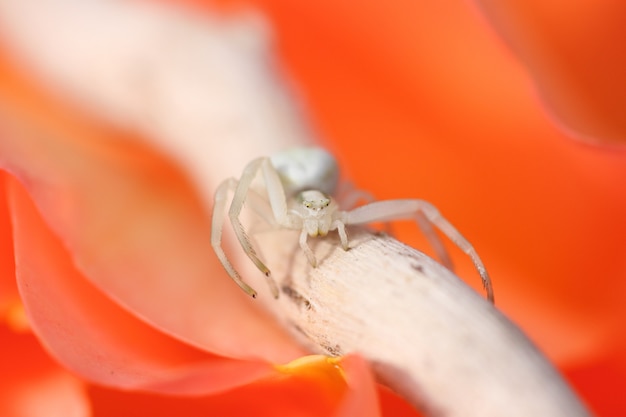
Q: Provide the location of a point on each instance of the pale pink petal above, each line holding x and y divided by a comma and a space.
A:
132, 223
32, 385
94, 337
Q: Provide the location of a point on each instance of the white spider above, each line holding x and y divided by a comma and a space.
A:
298, 184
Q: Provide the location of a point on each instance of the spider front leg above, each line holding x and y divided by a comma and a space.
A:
406, 209
277, 204
306, 248
217, 225
341, 230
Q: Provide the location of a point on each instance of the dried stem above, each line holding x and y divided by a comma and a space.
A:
428, 335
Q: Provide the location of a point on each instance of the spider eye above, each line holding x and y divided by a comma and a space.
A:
307, 204
325, 202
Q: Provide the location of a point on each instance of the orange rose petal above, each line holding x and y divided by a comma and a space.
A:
574, 52
132, 223
96, 338
311, 386
32, 384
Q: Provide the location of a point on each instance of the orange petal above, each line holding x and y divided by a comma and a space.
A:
132, 223
32, 384
575, 55
325, 372
310, 386
361, 398
94, 337
349, 380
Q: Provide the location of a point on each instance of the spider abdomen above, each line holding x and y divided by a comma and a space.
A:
306, 168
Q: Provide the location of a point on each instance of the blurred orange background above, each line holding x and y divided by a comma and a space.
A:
423, 100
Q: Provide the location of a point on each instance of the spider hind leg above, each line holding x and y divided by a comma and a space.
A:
413, 208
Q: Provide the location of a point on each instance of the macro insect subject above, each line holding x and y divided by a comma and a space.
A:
297, 188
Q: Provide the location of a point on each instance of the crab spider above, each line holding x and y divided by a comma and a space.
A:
298, 184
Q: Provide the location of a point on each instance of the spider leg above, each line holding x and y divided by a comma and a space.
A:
405, 209
307, 249
427, 228
217, 223
283, 216
348, 196
341, 229
258, 203
278, 205
242, 190
276, 194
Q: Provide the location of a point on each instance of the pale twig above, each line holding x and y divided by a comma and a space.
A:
428, 335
